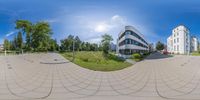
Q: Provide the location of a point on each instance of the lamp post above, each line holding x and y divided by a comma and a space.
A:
73, 51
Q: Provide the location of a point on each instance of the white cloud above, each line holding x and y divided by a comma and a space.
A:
115, 21
94, 40
10, 33
51, 20
118, 20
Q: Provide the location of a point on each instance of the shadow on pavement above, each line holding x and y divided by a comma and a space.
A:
158, 55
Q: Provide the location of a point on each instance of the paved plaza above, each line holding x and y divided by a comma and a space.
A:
51, 77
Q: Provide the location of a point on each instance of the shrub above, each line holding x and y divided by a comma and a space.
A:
137, 57
146, 54
114, 57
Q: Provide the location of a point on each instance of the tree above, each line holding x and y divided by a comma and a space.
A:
67, 44
19, 41
53, 46
6, 44
41, 36
26, 27
83, 46
159, 46
77, 43
106, 39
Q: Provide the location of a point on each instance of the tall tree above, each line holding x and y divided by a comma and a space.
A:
41, 36
19, 40
26, 27
159, 46
106, 39
77, 43
6, 44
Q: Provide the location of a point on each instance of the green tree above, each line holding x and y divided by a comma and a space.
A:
41, 36
67, 44
6, 44
26, 27
53, 46
159, 46
83, 46
87, 45
77, 43
106, 39
19, 40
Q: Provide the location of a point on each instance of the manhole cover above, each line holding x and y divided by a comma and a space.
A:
9, 67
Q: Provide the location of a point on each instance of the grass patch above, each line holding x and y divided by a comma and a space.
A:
195, 54
96, 61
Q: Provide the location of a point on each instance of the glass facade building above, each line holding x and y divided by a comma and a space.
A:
131, 41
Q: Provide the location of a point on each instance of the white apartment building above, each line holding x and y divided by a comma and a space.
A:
131, 41
179, 41
194, 44
1, 47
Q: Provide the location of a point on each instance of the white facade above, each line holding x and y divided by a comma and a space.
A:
1, 47
130, 41
179, 41
194, 44
170, 44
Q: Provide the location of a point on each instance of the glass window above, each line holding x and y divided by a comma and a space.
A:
177, 47
177, 40
174, 48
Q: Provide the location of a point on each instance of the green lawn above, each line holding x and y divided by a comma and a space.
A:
195, 54
95, 61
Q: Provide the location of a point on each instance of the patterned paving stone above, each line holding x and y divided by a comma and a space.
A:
51, 77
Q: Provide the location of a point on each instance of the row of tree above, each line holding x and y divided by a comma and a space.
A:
38, 37
67, 44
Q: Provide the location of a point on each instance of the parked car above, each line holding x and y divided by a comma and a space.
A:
165, 52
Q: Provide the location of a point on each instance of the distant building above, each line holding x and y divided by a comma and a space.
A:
180, 41
1, 47
170, 44
194, 44
131, 41
151, 47
113, 47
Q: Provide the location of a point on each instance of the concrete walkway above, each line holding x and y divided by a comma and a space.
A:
51, 77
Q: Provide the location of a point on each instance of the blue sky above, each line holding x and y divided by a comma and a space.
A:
89, 19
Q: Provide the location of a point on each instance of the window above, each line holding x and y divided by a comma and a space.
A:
128, 33
174, 34
177, 40
177, 47
177, 34
174, 40
174, 48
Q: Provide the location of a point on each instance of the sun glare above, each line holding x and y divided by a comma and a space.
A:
100, 28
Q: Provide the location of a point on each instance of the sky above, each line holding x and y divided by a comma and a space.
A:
90, 19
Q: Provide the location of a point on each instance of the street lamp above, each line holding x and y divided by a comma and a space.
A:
73, 50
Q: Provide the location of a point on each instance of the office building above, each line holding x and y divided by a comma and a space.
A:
179, 42
131, 41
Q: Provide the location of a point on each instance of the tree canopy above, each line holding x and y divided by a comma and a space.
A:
159, 46
106, 39
38, 35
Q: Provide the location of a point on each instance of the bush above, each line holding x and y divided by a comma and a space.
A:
146, 53
137, 57
114, 57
